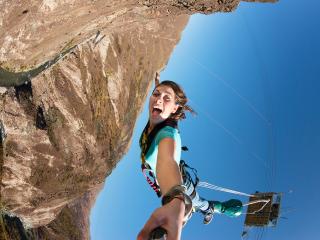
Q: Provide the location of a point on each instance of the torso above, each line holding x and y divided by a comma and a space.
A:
152, 153
150, 156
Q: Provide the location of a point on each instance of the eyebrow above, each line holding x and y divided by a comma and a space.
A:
165, 92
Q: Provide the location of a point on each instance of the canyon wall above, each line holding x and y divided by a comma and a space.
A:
73, 78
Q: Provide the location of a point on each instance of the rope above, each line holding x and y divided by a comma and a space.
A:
254, 202
221, 189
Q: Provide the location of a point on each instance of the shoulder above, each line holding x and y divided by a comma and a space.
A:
168, 132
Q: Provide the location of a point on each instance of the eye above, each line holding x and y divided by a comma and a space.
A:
167, 99
155, 94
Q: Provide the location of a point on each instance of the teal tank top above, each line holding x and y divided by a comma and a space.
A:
151, 155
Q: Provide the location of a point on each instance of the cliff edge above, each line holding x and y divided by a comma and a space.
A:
73, 79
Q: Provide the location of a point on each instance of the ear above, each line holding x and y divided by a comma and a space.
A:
175, 108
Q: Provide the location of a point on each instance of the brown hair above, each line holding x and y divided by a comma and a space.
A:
181, 100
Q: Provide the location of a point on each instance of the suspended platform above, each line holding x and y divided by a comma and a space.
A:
259, 215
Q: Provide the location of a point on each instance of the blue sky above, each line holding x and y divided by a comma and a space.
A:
252, 76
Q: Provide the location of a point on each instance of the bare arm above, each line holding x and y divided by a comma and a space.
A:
168, 173
169, 216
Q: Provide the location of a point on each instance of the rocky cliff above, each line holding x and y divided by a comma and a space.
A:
73, 76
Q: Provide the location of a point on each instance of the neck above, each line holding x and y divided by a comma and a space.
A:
153, 125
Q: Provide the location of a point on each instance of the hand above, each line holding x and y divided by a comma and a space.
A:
169, 217
157, 79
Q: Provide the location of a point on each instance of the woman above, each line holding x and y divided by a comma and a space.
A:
161, 150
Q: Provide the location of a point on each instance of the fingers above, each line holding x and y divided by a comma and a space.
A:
150, 225
157, 79
174, 232
168, 217
159, 233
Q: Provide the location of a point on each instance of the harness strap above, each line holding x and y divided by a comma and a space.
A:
186, 175
148, 173
146, 139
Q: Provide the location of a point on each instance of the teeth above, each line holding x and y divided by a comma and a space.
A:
156, 109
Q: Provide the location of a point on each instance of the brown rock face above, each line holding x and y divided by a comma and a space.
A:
35, 31
76, 74
67, 129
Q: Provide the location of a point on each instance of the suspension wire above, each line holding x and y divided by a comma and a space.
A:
263, 75
273, 157
257, 233
270, 169
261, 233
265, 232
245, 233
238, 140
230, 133
219, 124
245, 100
217, 188
270, 176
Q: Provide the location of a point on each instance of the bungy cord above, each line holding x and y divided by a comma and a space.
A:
221, 189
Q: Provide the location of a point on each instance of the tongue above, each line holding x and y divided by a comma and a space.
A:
156, 112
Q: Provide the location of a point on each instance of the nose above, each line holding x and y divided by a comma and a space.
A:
159, 99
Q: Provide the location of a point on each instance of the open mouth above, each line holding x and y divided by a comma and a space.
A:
156, 110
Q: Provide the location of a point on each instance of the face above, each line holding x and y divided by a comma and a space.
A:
162, 104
